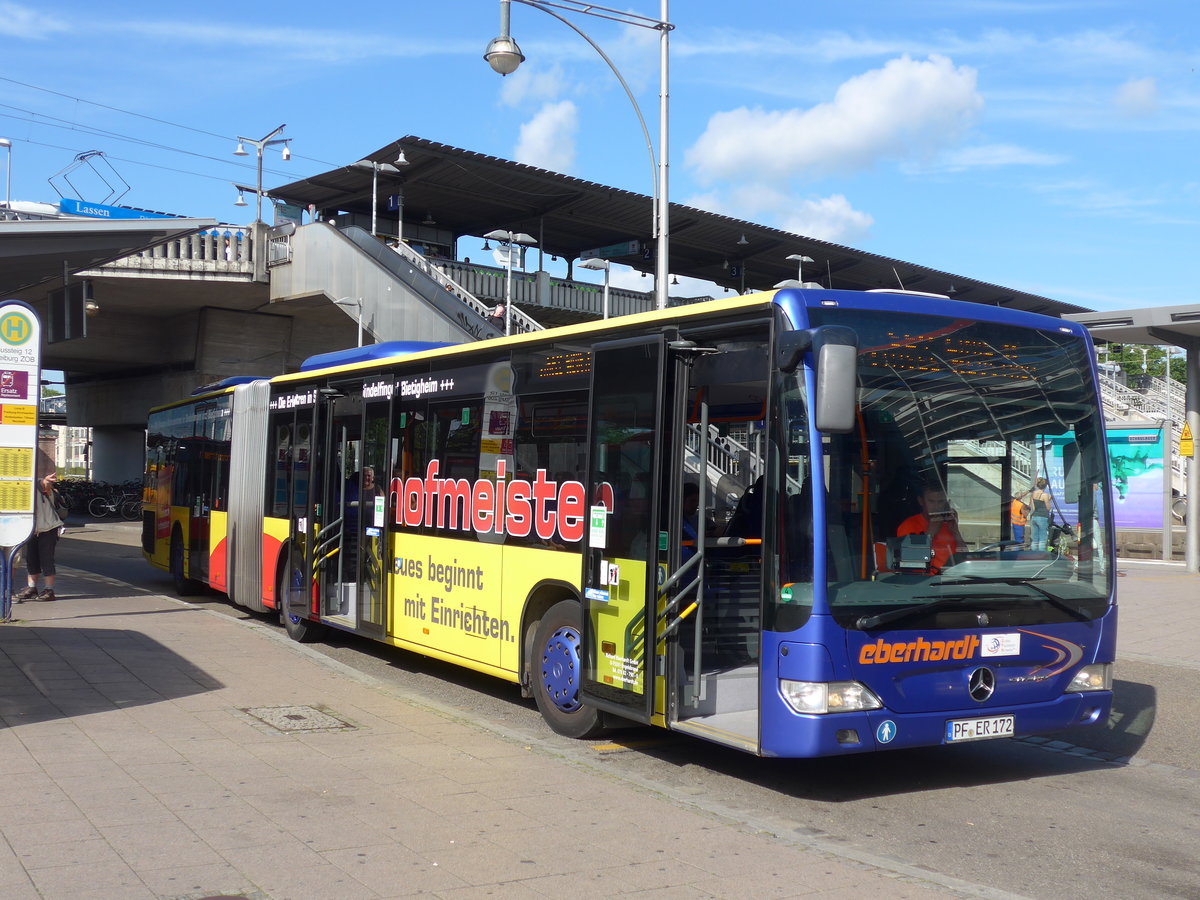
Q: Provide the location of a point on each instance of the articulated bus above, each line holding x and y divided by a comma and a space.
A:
779, 522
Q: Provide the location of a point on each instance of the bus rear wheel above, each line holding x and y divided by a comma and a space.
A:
556, 671
298, 629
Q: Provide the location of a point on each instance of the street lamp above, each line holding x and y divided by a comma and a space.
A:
593, 263
7, 145
376, 168
800, 260
260, 145
503, 55
508, 238
355, 302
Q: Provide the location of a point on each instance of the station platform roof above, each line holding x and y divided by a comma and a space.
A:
1175, 325
469, 193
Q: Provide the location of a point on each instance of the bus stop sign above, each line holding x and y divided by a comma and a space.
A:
20, 370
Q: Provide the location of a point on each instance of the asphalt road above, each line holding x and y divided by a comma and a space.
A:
991, 819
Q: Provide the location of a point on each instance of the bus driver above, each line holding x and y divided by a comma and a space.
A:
938, 520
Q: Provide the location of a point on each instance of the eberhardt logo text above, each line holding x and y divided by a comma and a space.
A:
919, 650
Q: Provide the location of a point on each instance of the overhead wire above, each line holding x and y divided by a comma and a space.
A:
67, 125
54, 121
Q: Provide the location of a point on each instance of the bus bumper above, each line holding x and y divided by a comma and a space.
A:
789, 734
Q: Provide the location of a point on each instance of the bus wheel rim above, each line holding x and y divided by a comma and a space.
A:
560, 669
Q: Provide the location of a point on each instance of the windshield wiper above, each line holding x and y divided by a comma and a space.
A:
1055, 601
865, 623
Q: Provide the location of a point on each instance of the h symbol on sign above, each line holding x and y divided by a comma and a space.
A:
15, 329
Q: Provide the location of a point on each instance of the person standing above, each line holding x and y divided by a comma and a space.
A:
1019, 518
39, 549
497, 318
1039, 515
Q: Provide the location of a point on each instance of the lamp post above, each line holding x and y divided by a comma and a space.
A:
800, 260
503, 55
7, 145
260, 145
376, 168
508, 238
356, 302
593, 263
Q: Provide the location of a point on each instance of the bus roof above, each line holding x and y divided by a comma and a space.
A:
790, 300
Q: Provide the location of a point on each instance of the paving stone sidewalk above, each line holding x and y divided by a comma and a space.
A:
158, 750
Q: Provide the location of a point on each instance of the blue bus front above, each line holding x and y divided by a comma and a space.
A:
958, 585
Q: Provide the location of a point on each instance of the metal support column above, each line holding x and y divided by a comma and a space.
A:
1191, 540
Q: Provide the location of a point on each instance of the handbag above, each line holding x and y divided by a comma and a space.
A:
61, 507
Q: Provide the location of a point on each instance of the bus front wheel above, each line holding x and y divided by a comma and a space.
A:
298, 629
556, 671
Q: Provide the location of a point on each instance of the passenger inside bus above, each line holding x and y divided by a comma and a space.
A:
354, 517
747, 518
938, 520
690, 526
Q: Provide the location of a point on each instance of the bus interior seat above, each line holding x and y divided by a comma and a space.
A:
746, 521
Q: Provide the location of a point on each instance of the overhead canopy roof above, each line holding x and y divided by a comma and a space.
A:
471, 193
36, 251
1176, 325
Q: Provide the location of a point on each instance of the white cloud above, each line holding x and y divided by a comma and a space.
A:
991, 156
548, 139
21, 22
628, 279
530, 84
1137, 97
830, 218
694, 287
907, 109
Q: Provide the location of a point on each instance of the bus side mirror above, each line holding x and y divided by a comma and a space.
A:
836, 351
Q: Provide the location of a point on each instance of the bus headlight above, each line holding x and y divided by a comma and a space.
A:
828, 696
1096, 677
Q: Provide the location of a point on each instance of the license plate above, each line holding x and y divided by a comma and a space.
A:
979, 729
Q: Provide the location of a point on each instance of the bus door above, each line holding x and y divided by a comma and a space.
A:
711, 600
191, 486
339, 512
621, 541
293, 455
373, 561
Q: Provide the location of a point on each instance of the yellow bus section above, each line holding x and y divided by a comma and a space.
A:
218, 562
620, 625
465, 598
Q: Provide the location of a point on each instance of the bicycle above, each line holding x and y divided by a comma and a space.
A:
127, 506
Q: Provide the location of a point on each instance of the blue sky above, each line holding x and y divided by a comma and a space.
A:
1047, 145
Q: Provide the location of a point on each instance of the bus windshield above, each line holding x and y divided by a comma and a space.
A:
972, 491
